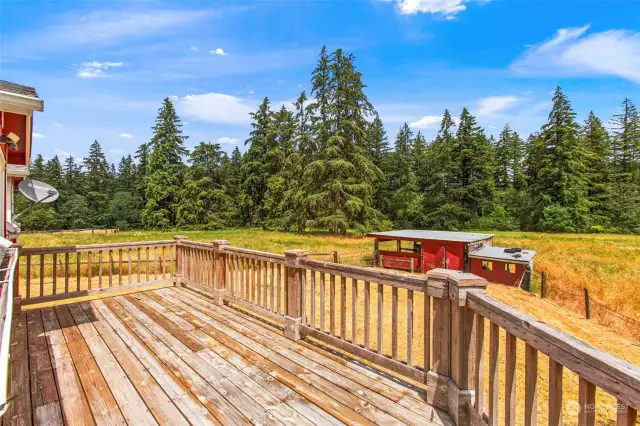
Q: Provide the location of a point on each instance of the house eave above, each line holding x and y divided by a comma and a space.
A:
19, 103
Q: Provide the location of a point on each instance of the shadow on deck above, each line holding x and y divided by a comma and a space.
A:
170, 356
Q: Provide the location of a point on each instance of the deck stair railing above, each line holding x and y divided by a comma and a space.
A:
476, 358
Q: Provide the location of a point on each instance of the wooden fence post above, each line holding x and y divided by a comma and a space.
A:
219, 269
334, 255
543, 284
376, 252
587, 304
438, 376
177, 280
293, 306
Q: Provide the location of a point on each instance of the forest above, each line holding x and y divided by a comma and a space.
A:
328, 164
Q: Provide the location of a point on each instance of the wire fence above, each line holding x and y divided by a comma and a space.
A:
580, 302
355, 258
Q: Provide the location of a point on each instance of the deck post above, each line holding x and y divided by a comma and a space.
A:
177, 279
376, 252
463, 345
293, 316
219, 268
438, 376
17, 297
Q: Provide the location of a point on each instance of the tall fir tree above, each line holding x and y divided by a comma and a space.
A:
626, 143
96, 180
164, 172
558, 194
598, 168
405, 207
339, 183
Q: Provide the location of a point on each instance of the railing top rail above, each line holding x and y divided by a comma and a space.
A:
93, 247
198, 244
6, 315
376, 276
255, 254
617, 377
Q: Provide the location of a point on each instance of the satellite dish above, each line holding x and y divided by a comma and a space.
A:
38, 192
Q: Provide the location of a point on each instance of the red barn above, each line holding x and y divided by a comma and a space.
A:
421, 251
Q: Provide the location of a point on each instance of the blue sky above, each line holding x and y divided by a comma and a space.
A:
103, 67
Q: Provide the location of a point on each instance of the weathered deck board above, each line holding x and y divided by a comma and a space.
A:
172, 357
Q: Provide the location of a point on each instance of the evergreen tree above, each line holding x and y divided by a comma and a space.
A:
339, 183
405, 207
379, 153
558, 193
96, 180
598, 168
126, 175
204, 201
626, 142
165, 168
473, 158
142, 157
254, 168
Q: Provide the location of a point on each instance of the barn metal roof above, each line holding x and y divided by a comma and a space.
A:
415, 234
498, 253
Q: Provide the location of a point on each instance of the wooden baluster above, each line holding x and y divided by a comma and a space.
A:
259, 281
332, 305
479, 364
99, 268
380, 317
322, 301
626, 415
313, 299
89, 269
28, 277
367, 314
295, 276
119, 266
494, 373
66, 272
510, 380
303, 295
394, 322
279, 296
78, 270
110, 253
265, 293
42, 275
427, 333
587, 402
555, 393
410, 328
129, 262
343, 308
138, 261
54, 272
154, 250
147, 264
354, 311
273, 288
530, 386
172, 269
164, 262
252, 270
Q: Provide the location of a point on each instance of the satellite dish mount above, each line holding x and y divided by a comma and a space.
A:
37, 192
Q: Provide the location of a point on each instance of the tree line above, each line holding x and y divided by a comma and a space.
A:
327, 163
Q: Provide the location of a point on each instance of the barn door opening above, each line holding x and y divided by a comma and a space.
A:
441, 258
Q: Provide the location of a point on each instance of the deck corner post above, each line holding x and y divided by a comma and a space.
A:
439, 376
463, 345
219, 267
293, 317
376, 252
177, 279
17, 297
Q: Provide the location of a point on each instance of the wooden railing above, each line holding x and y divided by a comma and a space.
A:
430, 329
52, 273
7, 283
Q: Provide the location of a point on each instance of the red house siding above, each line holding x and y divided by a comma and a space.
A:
16, 123
498, 273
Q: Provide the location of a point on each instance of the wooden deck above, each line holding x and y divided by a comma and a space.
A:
170, 356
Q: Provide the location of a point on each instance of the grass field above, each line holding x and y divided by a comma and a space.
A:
609, 265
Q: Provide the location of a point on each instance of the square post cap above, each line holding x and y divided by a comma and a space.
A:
293, 256
180, 237
218, 244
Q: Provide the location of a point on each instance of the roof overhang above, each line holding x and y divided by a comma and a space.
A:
14, 102
500, 259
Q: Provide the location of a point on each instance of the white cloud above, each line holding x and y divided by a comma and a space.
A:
63, 153
427, 122
251, 92
492, 104
216, 108
218, 52
226, 139
115, 151
573, 52
194, 48
125, 135
38, 135
107, 27
58, 125
96, 69
447, 8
